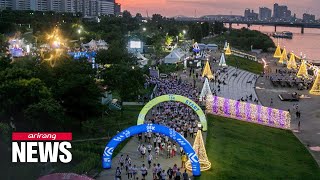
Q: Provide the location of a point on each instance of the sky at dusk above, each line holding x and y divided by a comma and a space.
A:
171, 8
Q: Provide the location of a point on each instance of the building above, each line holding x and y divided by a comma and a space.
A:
86, 7
250, 15
281, 12
308, 17
117, 8
264, 13
5, 4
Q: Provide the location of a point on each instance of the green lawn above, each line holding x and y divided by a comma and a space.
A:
245, 64
87, 155
240, 150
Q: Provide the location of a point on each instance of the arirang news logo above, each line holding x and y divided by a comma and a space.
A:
41, 147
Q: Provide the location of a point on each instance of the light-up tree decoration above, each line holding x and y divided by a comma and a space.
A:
284, 56
225, 46
248, 112
277, 53
200, 150
292, 62
228, 50
315, 90
303, 71
207, 71
222, 61
206, 91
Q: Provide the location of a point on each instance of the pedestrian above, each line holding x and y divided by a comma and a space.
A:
127, 162
149, 147
159, 170
169, 148
299, 126
170, 173
178, 175
143, 151
150, 157
121, 161
157, 151
174, 150
144, 171
175, 169
130, 171
185, 175
183, 160
181, 150
163, 175
134, 171
140, 137
271, 102
154, 171
154, 141
118, 174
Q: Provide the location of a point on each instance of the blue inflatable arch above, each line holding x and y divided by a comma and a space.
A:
131, 131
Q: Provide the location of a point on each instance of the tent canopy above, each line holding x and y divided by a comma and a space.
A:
174, 57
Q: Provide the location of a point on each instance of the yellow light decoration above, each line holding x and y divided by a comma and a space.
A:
207, 71
283, 57
315, 90
200, 150
277, 53
291, 62
228, 50
303, 72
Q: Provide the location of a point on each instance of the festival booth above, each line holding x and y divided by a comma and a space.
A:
96, 45
174, 57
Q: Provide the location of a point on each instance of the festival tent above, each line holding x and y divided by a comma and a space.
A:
175, 56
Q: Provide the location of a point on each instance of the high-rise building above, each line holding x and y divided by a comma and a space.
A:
250, 15
86, 7
308, 17
281, 12
117, 8
264, 13
5, 4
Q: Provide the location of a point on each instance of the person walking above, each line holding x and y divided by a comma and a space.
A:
154, 171
178, 175
121, 161
130, 171
143, 151
163, 175
174, 150
157, 151
150, 157
185, 175
134, 171
183, 160
144, 171
118, 173
170, 173
271, 102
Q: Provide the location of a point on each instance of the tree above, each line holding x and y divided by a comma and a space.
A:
101, 57
47, 114
168, 40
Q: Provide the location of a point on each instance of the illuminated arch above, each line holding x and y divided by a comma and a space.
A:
177, 98
133, 130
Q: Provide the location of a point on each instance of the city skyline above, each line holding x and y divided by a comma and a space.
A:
213, 7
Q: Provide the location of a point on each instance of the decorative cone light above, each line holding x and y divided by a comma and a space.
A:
283, 57
200, 150
207, 71
222, 61
277, 53
225, 46
206, 91
303, 72
315, 90
292, 62
228, 50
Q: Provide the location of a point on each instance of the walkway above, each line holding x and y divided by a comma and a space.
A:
309, 108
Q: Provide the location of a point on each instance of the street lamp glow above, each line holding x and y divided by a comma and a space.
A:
144, 29
79, 31
184, 32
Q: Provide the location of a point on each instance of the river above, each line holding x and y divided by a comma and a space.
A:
307, 43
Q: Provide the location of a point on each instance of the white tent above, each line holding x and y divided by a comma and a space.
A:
222, 60
206, 91
142, 60
175, 56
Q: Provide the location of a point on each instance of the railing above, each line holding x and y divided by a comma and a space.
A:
244, 55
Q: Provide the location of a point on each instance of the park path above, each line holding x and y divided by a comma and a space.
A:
309, 134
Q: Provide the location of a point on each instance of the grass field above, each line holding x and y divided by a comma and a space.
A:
244, 64
240, 150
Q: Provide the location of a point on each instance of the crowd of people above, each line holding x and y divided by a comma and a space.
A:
151, 146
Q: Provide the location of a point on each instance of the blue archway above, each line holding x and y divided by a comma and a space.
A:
131, 131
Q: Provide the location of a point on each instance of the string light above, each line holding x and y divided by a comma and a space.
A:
248, 112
